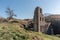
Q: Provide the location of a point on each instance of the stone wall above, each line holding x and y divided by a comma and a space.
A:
49, 24
55, 24
39, 20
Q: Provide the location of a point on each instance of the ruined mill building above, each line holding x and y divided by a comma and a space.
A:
39, 20
46, 24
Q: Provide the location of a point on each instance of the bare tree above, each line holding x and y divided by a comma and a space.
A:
10, 13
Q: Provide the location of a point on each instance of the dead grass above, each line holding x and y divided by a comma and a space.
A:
9, 31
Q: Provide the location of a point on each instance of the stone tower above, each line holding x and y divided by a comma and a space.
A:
39, 20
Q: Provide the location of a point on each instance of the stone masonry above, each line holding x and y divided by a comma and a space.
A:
39, 20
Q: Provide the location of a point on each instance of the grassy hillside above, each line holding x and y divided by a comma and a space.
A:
9, 31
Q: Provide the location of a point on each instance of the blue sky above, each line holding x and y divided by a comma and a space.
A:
25, 8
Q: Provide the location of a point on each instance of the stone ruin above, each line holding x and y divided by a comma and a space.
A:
55, 24
40, 25
45, 24
49, 24
39, 20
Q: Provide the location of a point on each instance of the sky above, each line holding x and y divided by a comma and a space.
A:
24, 9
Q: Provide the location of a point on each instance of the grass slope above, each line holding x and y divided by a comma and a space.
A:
13, 31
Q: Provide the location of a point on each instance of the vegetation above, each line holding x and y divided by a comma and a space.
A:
10, 13
13, 31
